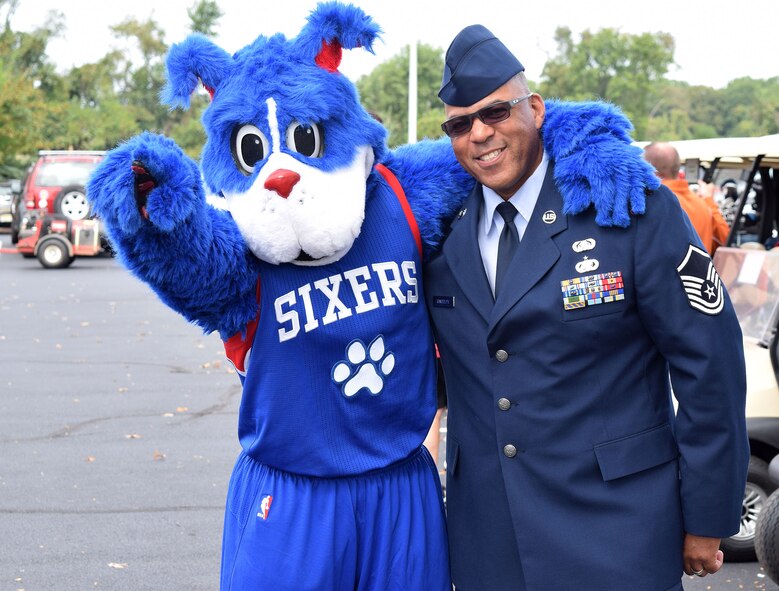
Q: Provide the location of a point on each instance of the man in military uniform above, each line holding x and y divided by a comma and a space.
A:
560, 340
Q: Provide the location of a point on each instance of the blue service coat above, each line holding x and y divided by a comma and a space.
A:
567, 467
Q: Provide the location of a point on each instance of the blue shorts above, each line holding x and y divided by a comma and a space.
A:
383, 530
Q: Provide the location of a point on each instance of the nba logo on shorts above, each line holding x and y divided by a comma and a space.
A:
265, 506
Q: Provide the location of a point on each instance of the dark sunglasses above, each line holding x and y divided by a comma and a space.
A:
489, 115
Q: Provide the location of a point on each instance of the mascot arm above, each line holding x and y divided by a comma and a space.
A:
596, 164
435, 184
149, 195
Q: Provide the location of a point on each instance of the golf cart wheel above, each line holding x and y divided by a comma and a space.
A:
741, 546
767, 537
72, 203
53, 254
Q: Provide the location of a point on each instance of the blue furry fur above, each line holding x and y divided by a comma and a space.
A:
595, 163
194, 256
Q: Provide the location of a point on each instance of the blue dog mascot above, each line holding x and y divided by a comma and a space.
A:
311, 275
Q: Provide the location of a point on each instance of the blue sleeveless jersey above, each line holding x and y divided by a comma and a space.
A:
340, 378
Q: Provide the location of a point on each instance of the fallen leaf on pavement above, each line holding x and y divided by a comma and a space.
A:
117, 564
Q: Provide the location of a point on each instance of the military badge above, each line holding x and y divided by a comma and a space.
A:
586, 265
583, 245
700, 281
591, 290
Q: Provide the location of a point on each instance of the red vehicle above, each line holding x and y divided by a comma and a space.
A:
55, 183
57, 240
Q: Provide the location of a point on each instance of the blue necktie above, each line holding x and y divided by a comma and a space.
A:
507, 243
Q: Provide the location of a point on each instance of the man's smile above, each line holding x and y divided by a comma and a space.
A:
490, 156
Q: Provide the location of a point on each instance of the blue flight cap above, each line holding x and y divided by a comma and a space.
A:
476, 64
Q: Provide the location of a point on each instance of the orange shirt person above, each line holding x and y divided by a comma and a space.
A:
703, 212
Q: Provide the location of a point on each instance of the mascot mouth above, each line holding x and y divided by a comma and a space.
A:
304, 257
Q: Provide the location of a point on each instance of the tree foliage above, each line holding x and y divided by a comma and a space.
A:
384, 92
95, 105
204, 16
609, 65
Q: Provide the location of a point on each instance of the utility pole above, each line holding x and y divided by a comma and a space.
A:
412, 91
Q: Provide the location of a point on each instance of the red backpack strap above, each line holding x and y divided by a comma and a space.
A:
393, 182
237, 347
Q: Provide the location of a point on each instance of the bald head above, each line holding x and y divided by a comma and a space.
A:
664, 157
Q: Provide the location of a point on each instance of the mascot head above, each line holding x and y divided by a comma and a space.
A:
289, 145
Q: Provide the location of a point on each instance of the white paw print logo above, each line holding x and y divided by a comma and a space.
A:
364, 367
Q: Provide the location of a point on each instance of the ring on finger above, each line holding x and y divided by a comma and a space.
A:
699, 573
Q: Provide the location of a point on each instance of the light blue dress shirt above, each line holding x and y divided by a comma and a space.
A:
491, 222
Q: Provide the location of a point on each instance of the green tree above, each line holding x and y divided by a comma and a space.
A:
27, 84
750, 107
186, 128
140, 81
204, 16
617, 67
385, 92
682, 112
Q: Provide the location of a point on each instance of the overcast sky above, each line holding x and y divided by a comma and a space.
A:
716, 41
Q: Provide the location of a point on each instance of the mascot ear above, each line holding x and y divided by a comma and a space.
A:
195, 60
332, 26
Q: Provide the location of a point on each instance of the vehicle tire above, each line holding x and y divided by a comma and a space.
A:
767, 537
53, 254
741, 546
72, 203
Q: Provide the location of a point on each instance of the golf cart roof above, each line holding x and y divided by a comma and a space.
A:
733, 152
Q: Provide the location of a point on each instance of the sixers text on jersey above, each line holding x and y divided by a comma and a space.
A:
397, 284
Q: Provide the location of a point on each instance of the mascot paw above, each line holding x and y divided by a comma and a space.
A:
595, 163
144, 183
364, 367
148, 180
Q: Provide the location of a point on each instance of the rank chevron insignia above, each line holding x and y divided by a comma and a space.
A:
701, 282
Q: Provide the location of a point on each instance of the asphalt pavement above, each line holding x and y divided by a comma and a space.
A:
118, 432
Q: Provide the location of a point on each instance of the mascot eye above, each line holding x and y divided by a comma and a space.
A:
305, 139
249, 147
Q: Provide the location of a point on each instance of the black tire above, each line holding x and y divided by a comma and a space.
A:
53, 254
767, 537
741, 547
72, 203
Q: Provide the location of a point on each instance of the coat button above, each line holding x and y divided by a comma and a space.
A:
504, 404
501, 355
509, 451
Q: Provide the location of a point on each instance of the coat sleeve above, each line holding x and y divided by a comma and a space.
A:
685, 308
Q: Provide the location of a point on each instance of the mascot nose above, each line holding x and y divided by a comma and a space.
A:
282, 181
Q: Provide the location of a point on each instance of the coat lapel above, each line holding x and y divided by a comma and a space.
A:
461, 250
537, 252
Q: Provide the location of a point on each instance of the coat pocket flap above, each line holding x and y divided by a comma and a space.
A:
634, 453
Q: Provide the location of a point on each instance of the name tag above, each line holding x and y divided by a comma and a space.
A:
443, 301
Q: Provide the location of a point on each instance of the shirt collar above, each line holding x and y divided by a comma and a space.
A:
524, 199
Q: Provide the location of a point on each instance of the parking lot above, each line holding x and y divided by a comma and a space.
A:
118, 435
